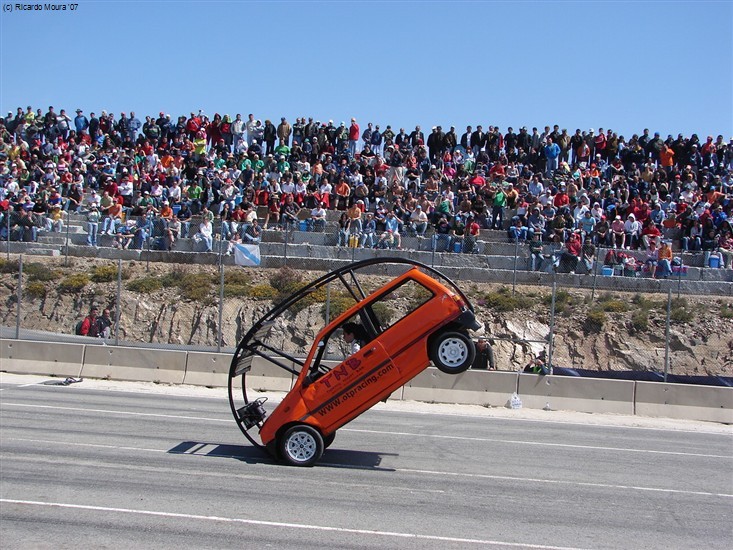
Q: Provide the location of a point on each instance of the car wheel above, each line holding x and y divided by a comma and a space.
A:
301, 445
452, 352
328, 440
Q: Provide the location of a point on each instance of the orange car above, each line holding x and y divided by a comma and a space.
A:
383, 339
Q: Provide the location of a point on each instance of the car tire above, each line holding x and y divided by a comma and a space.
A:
452, 352
327, 440
301, 445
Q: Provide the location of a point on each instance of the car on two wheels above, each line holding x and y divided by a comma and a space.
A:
416, 318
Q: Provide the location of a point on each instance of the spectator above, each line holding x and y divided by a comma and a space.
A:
89, 326
103, 325
93, 217
205, 234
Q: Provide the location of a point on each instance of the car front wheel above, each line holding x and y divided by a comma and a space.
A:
452, 352
301, 445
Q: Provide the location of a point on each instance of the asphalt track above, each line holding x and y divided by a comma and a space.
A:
115, 465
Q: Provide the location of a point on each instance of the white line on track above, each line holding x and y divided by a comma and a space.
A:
280, 525
539, 443
403, 470
383, 432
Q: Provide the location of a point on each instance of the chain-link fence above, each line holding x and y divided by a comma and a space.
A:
554, 320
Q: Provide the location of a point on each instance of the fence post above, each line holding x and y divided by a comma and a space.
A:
147, 243
68, 223
221, 306
595, 274
19, 297
118, 304
8, 213
552, 327
516, 255
666, 333
285, 234
328, 303
679, 276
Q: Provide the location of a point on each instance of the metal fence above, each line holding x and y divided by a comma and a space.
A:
211, 307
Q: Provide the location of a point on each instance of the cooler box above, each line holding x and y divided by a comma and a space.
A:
714, 262
457, 246
303, 225
607, 271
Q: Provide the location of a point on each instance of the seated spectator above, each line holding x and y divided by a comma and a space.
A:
369, 231
650, 233
419, 221
344, 226
664, 265
517, 232
618, 233
205, 234
124, 235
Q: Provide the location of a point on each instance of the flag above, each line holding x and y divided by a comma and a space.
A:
247, 254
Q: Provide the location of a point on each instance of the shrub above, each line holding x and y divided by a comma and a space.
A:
262, 292
613, 306
8, 266
235, 277
502, 300
640, 320
595, 320
74, 283
681, 315
384, 312
171, 279
286, 280
726, 311
195, 286
237, 291
144, 285
104, 273
35, 289
339, 303
39, 272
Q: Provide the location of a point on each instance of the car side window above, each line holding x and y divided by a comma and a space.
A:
398, 304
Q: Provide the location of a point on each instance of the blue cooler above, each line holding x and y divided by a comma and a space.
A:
303, 225
714, 262
607, 271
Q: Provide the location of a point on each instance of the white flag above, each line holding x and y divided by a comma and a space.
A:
247, 254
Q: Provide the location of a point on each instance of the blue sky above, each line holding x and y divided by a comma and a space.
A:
664, 65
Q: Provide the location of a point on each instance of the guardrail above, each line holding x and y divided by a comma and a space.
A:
486, 388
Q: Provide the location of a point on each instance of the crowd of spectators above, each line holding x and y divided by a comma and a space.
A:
154, 179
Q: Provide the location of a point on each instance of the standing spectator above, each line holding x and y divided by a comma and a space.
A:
92, 225
283, 132
354, 132
269, 134
133, 126
81, 123
552, 152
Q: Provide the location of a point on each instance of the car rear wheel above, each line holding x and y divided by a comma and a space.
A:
301, 445
452, 352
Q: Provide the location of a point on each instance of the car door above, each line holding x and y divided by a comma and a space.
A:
349, 387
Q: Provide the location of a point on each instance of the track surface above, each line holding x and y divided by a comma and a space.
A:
115, 465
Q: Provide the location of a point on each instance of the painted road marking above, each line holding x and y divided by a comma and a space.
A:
383, 432
280, 525
398, 470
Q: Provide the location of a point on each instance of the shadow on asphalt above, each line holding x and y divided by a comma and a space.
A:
332, 458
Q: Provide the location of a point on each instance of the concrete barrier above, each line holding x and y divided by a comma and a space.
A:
139, 364
591, 395
708, 403
472, 387
266, 376
45, 358
207, 369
